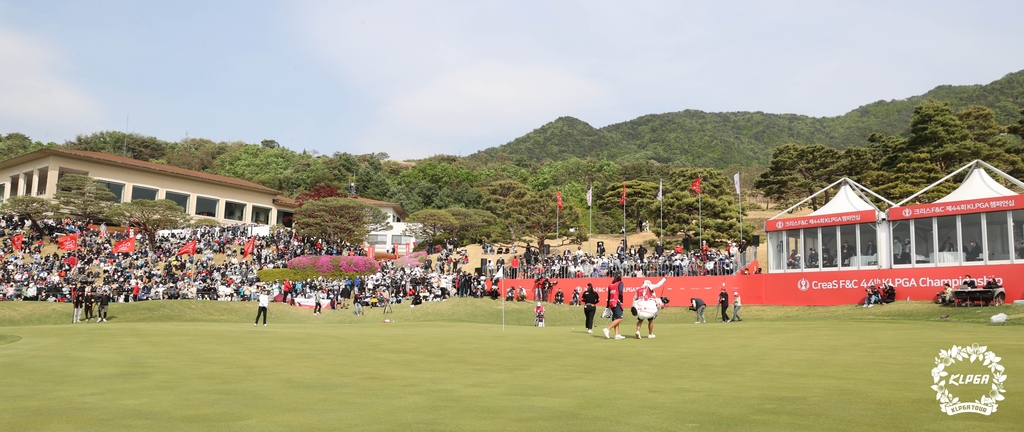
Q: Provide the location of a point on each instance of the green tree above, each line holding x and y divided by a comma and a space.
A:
341, 219
148, 216
32, 208
133, 145
431, 225
84, 197
501, 198
472, 225
716, 211
534, 215
16, 144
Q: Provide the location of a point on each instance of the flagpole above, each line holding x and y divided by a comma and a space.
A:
661, 219
700, 220
558, 213
590, 233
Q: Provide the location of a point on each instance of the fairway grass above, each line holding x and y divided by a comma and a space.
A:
156, 368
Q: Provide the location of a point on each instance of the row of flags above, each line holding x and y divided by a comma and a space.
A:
70, 242
694, 186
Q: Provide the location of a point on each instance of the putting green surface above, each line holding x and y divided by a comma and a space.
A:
457, 375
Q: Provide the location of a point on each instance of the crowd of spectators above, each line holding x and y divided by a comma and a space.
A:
219, 271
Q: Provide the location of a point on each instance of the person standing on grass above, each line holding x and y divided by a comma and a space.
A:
89, 300
615, 304
78, 301
263, 303
736, 305
647, 305
723, 301
346, 292
317, 306
698, 305
590, 299
104, 300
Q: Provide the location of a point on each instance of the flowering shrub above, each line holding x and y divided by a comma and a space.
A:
332, 264
414, 259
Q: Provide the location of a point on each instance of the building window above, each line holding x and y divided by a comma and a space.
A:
206, 206
285, 218
234, 211
14, 186
116, 188
377, 239
260, 215
179, 198
997, 236
143, 193
3, 191
401, 239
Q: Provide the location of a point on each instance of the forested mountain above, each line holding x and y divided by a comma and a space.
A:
694, 138
894, 147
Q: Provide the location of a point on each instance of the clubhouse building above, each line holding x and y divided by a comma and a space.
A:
202, 195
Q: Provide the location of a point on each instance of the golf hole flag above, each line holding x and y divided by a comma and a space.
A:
249, 245
17, 241
125, 246
188, 249
695, 186
68, 242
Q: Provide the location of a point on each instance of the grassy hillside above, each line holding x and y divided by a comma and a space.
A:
700, 139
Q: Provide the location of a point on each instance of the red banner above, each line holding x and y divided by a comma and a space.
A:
695, 186
956, 208
188, 249
17, 241
249, 245
817, 288
68, 242
125, 246
847, 218
623, 199
559, 200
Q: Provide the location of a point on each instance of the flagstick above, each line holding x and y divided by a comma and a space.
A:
590, 204
502, 294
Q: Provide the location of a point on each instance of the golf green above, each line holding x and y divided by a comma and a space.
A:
408, 375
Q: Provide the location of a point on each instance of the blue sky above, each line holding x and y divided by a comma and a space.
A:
416, 78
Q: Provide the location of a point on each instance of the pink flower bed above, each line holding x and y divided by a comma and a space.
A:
327, 264
414, 259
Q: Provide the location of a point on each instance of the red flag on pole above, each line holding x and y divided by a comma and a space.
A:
188, 249
17, 241
623, 199
68, 242
695, 186
125, 246
559, 200
249, 245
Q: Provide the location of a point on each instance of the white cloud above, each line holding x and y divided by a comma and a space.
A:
34, 97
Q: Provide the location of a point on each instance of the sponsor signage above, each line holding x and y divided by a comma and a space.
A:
956, 208
847, 218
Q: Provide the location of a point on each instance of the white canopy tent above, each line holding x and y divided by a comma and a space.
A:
842, 234
975, 224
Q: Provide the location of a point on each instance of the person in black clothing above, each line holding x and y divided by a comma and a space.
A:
559, 297
78, 302
590, 299
89, 299
101, 314
723, 301
346, 293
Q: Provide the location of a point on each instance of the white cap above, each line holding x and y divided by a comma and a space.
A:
538, 304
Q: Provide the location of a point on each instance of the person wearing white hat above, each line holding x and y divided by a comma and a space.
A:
736, 305
647, 304
538, 312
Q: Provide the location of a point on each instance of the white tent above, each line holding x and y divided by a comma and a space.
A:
846, 200
977, 185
